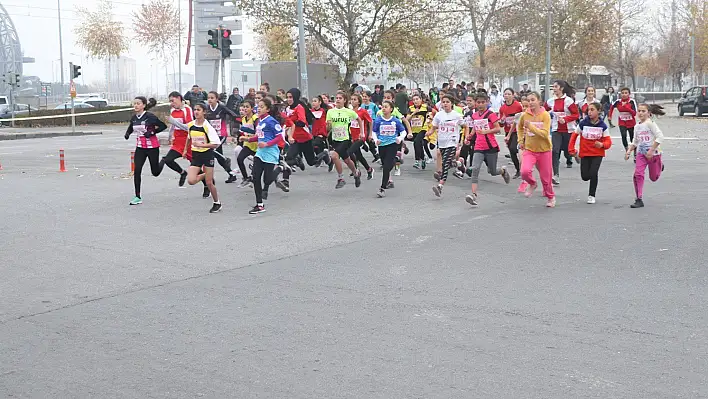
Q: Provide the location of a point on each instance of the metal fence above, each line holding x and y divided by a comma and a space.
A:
658, 96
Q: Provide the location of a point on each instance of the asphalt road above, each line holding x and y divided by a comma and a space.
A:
338, 294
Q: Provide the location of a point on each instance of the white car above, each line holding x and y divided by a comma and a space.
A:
67, 106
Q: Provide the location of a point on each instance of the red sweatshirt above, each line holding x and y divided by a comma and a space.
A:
319, 125
627, 112
562, 107
301, 134
589, 134
354, 128
507, 115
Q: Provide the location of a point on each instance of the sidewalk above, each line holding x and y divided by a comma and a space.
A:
18, 133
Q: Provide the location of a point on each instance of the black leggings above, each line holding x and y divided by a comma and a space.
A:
514, 151
219, 155
589, 168
169, 160
355, 153
264, 171
240, 160
418, 144
388, 159
467, 152
306, 149
427, 147
560, 143
319, 144
372, 147
141, 155
623, 131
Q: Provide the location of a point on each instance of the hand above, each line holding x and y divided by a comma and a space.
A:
521, 147
398, 140
291, 140
184, 155
261, 144
650, 153
127, 136
527, 124
598, 144
409, 136
626, 156
242, 138
561, 120
378, 142
506, 139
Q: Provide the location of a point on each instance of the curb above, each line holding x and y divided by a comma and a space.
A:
25, 136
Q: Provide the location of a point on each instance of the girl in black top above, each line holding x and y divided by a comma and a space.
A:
216, 114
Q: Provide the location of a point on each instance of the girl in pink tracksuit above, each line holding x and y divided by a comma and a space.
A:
647, 141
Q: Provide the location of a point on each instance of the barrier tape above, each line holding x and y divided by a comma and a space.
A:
34, 118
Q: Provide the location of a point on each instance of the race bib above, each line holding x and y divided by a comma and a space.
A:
448, 127
140, 130
339, 133
199, 139
625, 116
216, 124
481, 124
559, 114
388, 130
317, 114
510, 120
537, 125
592, 133
645, 141
417, 122
354, 124
259, 132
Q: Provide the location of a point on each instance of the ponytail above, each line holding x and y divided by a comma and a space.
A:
272, 109
149, 103
654, 109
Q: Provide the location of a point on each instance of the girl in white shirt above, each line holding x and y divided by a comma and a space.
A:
647, 140
446, 124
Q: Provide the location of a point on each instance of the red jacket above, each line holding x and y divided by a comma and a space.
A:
319, 125
565, 107
507, 115
627, 110
300, 134
589, 134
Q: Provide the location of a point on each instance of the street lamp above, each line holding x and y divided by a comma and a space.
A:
548, 51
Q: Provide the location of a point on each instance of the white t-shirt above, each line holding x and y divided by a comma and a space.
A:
448, 124
645, 134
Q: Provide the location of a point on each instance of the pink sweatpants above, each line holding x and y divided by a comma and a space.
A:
544, 165
654, 165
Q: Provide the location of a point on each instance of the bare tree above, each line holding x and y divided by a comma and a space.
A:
157, 25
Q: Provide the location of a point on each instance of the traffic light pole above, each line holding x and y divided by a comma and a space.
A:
71, 85
302, 57
12, 105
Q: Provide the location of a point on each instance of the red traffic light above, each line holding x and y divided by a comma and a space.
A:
226, 33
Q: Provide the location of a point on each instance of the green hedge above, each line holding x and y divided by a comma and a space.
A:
99, 119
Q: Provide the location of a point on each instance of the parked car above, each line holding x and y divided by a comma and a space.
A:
96, 102
20, 109
67, 106
695, 101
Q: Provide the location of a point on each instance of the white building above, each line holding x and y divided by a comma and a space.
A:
121, 75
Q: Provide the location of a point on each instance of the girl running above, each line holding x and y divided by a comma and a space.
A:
300, 139
203, 139
417, 117
594, 141
589, 99
269, 133
647, 142
446, 124
524, 106
216, 115
373, 110
627, 109
508, 115
360, 134
180, 116
338, 120
319, 131
146, 126
485, 124
535, 140
564, 112
388, 131
247, 149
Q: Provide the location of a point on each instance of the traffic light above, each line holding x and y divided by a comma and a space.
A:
75, 71
214, 38
226, 43
17, 80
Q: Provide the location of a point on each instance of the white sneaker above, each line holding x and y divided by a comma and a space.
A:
397, 171
591, 199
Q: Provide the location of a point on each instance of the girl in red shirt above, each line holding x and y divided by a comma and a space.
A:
507, 115
300, 138
180, 116
359, 134
564, 114
627, 109
319, 130
594, 141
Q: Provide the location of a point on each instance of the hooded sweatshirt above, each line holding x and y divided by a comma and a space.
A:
297, 113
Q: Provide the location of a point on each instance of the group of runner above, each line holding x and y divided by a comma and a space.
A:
283, 133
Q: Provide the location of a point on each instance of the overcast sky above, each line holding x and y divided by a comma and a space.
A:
38, 28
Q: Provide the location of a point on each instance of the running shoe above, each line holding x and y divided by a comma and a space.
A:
281, 185
264, 195
324, 157
507, 156
331, 166
422, 164
357, 179
136, 201
638, 203
437, 176
468, 172
506, 176
458, 174
206, 193
232, 178
517, 175
257, 209
591, 199
340, 183
437, 189
246, 183
390, 184
377, 158
182, 179
216, 207
397, 170
551, 203
416, 164
529, 190
381, 193
370, 173
556, 180
300, 164
569, 165
472, 199
286, 183
522, 186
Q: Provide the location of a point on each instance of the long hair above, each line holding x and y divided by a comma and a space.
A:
272, 109
566, 88
149, 103
654, 109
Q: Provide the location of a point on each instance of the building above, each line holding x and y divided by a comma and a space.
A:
245, 74
121, 75
187, 82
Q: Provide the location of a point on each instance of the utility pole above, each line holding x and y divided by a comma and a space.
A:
548, 50
61, 48
179, 46
694, 81
302, 58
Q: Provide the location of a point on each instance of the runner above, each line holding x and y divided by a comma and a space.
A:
203, 138
594, 141
319, 130
269, 133
589, 99
389, 96
247, 149
446, 124
647, 142
338, 120
509, 112
216, 115
564, 113
535, 140
360, 135
300, 139
180, 116
373, 110
146, 126
416, 119
387, 132
485, 125
627, 109
525, 107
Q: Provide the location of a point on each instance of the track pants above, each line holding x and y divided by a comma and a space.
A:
141, 155
589, 168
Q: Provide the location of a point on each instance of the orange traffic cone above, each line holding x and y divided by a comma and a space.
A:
62, 166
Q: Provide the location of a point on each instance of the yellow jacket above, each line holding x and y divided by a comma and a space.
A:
537, 138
